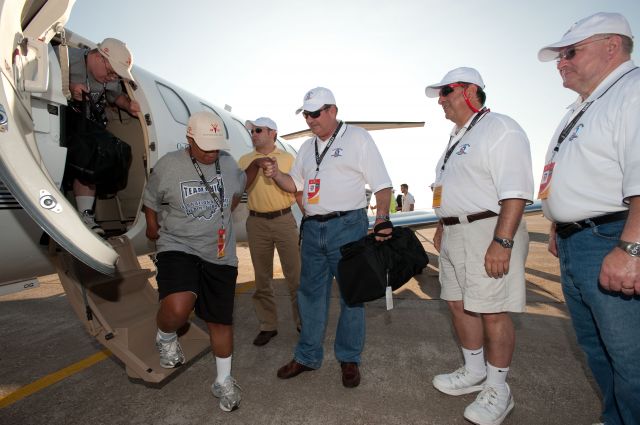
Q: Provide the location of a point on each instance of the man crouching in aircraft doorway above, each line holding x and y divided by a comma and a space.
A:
196, 189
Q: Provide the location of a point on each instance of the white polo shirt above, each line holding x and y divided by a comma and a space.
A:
352, 161
490, 163
597, 167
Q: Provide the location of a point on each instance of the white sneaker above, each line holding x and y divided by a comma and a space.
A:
459, 382
170, 353
490, 407
229, 393
89, 220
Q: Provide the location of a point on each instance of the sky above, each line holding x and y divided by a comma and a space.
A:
261, 57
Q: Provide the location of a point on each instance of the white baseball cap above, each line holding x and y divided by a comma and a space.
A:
118, 55
316, 99
262, 122
207, 130
599, 23
462, 74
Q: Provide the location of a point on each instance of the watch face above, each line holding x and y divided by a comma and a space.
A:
634, 249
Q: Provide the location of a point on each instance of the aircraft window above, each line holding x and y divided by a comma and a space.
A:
209, 108
174, 102
246, 136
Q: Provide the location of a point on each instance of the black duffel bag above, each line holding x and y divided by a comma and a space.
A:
95, 156
363, 268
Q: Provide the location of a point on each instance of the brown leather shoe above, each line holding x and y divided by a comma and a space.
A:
264, 337
291, 369
350, 374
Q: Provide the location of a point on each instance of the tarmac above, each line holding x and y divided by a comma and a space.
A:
55, 373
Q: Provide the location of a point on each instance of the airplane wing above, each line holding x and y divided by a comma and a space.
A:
367, 125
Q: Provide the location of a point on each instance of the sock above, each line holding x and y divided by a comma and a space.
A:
474, 361
166, 336
223, 367
84, 203
497, 377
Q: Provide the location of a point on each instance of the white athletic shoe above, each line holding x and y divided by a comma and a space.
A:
89, 220
459, 382
229, 393
490, 407
170, 353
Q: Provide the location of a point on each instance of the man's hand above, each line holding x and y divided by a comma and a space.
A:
437, 237
152, 232
134, 107
553, 241
77, 89
620, 272
270, 167
496, 260
382, 230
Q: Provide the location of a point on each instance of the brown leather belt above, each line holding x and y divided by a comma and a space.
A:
450, 221
270, 215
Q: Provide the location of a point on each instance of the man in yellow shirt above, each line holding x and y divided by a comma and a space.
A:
270, 224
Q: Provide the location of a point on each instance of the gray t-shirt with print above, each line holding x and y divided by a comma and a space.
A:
187, 213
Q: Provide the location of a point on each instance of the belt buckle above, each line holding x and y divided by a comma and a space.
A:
568, 229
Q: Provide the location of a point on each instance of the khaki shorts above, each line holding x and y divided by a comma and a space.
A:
463, 276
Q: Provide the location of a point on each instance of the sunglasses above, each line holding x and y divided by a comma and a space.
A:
447, 90
570, 53
257, 130
315, 114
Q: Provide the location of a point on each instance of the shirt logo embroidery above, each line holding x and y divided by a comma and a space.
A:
337, 152
574, 134
463, 149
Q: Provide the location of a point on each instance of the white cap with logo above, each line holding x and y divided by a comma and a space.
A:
462, 75
316, 99
262, 122
207, 130
118, 55
599, 23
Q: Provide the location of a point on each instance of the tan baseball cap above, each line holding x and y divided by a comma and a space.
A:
208, 131
118, 55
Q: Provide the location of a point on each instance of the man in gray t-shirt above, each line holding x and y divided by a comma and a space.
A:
188, 202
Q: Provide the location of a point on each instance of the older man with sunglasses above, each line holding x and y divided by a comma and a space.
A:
270, 225
590, 191
332, 169
483, 181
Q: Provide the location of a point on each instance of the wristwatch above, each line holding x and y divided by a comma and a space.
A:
383, 217
506, 243
631, 248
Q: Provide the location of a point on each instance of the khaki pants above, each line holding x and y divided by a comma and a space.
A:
264, 234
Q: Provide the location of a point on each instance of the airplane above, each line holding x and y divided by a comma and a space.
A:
42, 231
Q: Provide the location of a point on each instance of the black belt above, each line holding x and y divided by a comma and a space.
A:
450, 221
271, 214
327, 217
564, 230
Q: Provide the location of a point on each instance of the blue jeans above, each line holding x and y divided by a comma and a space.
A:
321, 242
607, 324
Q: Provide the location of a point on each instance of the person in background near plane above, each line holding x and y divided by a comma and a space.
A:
590, 191
332, 169
196, 189
483, 181
97, 72
270, 224
408, 201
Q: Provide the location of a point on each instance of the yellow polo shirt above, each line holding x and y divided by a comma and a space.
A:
264, 193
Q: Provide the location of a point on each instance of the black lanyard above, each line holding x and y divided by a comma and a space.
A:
474, 121
319, 158
567, 129
216, 198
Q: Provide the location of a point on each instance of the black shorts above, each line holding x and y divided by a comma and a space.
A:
213, 284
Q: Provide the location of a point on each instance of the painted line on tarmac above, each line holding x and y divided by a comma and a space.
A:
58, 376
53, 378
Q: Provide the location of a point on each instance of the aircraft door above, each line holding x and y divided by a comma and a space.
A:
24, 70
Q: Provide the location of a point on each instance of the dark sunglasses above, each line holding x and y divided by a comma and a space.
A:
570, 53
257, 130
315, 114
447, 90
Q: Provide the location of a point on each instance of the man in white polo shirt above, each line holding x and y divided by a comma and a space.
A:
483, 181
332, 169
408, 200
590, 191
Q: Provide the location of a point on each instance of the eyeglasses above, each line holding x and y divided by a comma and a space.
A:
447, 90
111, 74
257, 130
315, 114
570, 53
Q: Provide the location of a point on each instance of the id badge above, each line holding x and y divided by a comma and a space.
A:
437, 196
313, 191
545, 181
221, 240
